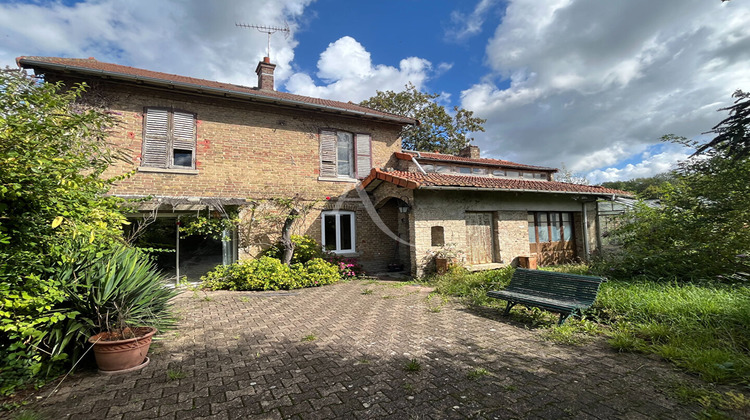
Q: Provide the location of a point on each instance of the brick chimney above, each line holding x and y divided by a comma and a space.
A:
471, 152
265, 74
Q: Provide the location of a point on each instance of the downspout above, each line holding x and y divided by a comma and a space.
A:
585, 232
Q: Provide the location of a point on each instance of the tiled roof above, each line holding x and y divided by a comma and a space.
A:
414, 180
91, 66
439, 157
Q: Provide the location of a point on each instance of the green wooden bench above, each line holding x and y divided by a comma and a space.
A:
563, 293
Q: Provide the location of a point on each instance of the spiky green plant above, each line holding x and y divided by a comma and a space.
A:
111, 292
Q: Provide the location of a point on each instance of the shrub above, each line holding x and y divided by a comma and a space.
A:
318, 272
348, 267
305, 249
45, 327
471, 286
53, 157
266, 273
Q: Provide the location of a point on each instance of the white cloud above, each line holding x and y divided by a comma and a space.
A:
349, 74
650, 165
194, 38
467, 25
593, 83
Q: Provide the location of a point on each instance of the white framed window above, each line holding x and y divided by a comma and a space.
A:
345, 155
168, 139
338, 231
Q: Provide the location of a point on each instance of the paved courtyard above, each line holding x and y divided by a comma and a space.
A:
341, 351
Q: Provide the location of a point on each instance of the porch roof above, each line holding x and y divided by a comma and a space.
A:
435, 181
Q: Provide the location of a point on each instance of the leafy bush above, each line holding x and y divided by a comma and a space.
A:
305, 249
317, 272
91, 291
348, 267
697, 232
28, 313
266, 273
53, 153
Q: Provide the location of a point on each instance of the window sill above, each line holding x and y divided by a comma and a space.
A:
168, 170
345, 254
350, 180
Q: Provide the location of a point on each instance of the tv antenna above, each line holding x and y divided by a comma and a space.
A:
269, 30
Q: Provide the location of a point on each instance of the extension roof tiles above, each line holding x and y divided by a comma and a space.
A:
416, 180
92, 67
440, 157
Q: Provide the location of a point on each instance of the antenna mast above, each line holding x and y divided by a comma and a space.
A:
269, 30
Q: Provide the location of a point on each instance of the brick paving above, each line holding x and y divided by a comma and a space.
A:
340, 351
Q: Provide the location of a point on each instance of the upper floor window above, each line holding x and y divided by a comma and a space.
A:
345, 155
168, 139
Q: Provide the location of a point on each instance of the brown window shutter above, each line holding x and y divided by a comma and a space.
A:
156, 138
364, 155
183, 132
328, 154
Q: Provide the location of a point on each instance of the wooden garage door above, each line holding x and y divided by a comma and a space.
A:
479, 237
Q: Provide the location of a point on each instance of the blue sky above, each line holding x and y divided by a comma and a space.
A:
589, 84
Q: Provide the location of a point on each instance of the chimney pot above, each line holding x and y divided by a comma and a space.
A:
265, 74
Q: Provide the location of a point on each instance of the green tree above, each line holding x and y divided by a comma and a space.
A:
732, 133
700, 230
645, 188
437, 129
53, 153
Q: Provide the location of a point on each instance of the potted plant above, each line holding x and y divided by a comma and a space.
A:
122, 301
447, 256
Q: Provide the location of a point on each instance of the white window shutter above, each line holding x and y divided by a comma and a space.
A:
328, 154
184, 131
364, 155
156, 138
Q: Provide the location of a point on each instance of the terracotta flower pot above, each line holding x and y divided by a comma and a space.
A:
441, 265
113, 353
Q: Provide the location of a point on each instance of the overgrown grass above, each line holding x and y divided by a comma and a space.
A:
701, 327
473, 287
704, 328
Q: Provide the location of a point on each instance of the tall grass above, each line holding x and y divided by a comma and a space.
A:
472, 287
704, 328
701, 327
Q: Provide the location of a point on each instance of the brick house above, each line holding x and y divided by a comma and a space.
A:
201, 146
198, 144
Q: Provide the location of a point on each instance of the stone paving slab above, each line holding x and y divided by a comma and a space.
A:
340, 351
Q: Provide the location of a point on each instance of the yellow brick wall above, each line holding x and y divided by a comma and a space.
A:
249, 151
243, 151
